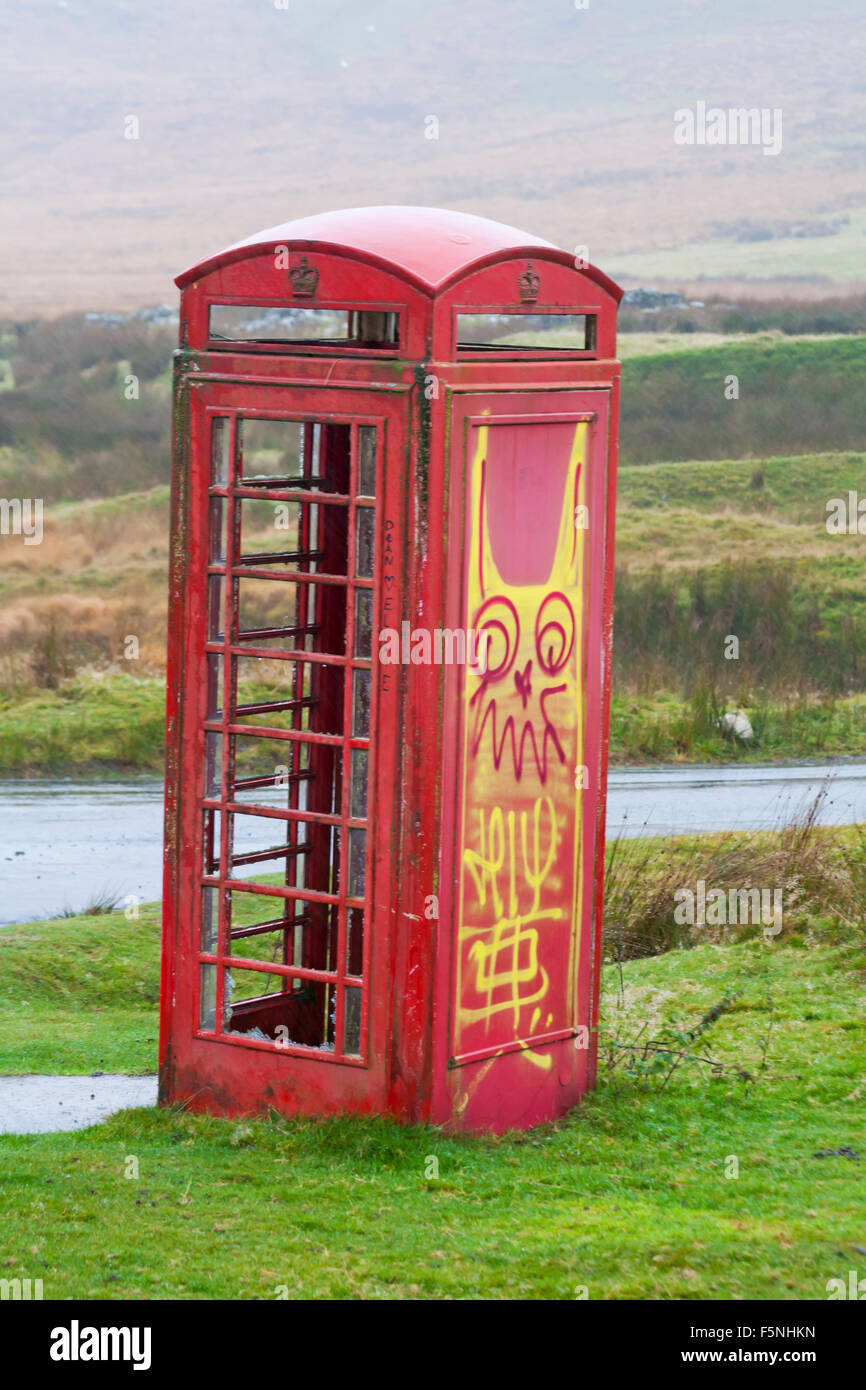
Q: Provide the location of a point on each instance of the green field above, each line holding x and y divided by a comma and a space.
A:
838, 257
721, 529
631, 1196
795, 397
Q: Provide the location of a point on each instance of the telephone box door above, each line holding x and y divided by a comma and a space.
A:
283, 773
527, 567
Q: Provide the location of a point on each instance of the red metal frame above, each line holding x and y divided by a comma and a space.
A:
426, 266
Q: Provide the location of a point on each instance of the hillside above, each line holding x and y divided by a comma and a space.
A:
735, 543
549, 117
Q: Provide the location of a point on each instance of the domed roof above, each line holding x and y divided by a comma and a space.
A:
429, 246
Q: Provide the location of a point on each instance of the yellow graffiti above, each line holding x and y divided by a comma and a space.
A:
513, 890
496, 953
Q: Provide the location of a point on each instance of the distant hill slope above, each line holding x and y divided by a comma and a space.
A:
550, 117
793, 397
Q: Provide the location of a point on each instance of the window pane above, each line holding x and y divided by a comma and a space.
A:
211, 843
207, 1004
358, 798
364, 542
213, 744
361, 705
367, 460
357, 862
219, 472
209, 919
217, 530
363, 622
352, 1020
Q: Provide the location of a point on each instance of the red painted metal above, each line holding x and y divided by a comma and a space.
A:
383, 881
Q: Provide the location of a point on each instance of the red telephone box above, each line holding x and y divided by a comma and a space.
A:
389, 670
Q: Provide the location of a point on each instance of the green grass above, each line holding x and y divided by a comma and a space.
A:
627, 1197
80, 994
663, 728
115, 726
793, 488
94, 723
795, 397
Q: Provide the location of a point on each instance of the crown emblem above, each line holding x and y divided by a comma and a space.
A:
529, 283
304, 278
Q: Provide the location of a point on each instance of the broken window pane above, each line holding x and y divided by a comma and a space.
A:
265, 1007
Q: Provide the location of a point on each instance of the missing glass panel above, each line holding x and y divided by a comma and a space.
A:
542, 333
265, 847
215, 607
269, 449
270, 931
214, 685
267, 1007
289, 615
251, 323
301, 695
304, 537
275, 771
211, 842
255, 323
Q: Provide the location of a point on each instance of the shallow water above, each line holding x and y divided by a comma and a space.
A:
63, 843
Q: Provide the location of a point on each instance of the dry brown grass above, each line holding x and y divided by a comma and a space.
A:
812, 866
98, 577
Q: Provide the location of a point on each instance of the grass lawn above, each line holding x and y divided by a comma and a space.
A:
80, 994
115, 725
665, 729
628, 1197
